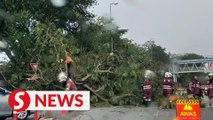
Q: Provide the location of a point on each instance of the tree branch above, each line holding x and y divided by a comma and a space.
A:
7, 81
94, 92
84, 78
34, 77
99, 89
106, 71
123, 96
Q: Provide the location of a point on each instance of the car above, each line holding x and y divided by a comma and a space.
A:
5, 110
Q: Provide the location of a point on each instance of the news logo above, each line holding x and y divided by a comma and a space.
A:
20, 100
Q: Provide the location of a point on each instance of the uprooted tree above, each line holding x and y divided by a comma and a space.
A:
36, 31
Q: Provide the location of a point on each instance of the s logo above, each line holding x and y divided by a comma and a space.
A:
19, 100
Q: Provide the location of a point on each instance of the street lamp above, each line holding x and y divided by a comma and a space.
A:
110, 17
111, 8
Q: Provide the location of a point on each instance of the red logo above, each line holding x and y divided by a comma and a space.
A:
34, 66
19, 100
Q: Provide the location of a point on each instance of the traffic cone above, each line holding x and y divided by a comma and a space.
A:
36, 115
63, 113
15, 115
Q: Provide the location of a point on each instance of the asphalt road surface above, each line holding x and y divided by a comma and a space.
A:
124, 113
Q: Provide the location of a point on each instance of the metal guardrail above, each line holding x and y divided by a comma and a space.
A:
190, 66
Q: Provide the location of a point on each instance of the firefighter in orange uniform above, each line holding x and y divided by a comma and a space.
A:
70, 67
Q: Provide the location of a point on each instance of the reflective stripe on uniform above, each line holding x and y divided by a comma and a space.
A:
210, 86
167, 87
147, 87
196, 85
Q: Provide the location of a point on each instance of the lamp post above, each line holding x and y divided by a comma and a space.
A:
110, 17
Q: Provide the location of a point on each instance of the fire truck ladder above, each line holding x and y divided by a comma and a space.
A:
191, 66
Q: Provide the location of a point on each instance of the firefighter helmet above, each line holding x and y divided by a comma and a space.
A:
146, 76
168, 75
62, 77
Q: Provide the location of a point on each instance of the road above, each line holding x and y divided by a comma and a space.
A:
125, 113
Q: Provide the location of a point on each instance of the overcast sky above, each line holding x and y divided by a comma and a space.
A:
181, 26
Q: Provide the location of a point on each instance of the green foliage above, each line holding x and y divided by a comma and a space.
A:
157, 53
189, 56
128, 71
42, 33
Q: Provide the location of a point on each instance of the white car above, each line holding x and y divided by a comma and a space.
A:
5, 110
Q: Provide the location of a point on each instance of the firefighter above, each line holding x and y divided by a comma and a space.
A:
189, 89
210, 88
168, 85
70, 85
147, 91
196, 88
70, 67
